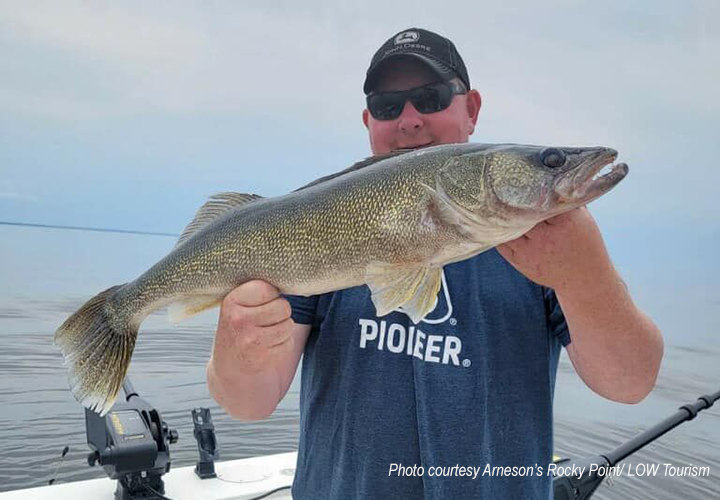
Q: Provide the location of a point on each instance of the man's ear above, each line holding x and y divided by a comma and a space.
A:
473, 102
366, 118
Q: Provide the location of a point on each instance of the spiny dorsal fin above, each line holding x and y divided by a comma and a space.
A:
217, 205
357, 166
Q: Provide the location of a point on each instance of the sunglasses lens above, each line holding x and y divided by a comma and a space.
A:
386, 105
426, 99
432, 98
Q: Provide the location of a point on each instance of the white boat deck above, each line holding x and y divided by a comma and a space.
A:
237, 480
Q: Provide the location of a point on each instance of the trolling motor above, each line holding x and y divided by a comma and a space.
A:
131, 442
583, 486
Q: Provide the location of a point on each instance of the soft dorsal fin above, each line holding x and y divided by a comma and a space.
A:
217, 205
357, 166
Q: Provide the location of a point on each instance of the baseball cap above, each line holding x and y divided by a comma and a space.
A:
435, 50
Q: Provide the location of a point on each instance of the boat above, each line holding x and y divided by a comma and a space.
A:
243, 479
117, 443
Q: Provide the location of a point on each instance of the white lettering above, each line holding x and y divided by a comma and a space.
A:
688, 470
396, 338
570, 470
368, 331
410, 344
383, 325
645, 470
419, 345
399, 339
406, 471
432, 348
453, 346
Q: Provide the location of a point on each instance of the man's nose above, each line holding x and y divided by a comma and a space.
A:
410, 120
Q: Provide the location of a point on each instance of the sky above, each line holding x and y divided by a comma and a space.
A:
129, 115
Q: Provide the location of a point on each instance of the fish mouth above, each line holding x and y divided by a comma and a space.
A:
583, 184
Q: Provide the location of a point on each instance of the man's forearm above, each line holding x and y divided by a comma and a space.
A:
615, 348
251, 396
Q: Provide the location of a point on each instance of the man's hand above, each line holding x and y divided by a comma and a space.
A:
255, 329
564, 253
615, 348
256, 351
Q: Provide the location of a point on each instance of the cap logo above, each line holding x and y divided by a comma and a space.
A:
407, 37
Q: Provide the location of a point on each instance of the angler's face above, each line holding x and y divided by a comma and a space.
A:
413, 129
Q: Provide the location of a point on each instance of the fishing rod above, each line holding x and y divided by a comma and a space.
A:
91, 229
581, 486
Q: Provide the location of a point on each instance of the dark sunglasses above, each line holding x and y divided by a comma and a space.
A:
429, 98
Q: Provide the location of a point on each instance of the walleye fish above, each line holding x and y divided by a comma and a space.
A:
390, 222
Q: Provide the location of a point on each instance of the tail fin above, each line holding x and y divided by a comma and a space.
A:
97, 345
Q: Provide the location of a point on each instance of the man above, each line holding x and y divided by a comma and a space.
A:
471, 384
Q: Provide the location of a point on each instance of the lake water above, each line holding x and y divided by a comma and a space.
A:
46, 274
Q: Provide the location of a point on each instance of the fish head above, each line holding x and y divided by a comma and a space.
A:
527, 184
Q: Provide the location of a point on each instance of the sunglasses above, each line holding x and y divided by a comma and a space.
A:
429, 98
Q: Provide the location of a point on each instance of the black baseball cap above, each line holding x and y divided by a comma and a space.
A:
435, 50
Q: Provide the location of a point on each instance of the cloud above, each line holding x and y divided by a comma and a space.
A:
553, 64
210, 60
144, 92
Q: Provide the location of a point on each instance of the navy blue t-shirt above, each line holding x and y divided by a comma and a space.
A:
469, 386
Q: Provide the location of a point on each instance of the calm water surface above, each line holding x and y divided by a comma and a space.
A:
46, 274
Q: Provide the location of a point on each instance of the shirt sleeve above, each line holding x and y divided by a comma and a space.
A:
557, 325
304, 309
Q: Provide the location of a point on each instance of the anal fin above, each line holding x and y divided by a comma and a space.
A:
190, 306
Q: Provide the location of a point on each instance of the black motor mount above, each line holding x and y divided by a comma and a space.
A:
131, 442
204, 432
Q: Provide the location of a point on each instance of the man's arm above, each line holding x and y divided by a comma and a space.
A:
615, 348
256, 351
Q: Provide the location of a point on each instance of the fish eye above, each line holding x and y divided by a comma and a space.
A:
553, 157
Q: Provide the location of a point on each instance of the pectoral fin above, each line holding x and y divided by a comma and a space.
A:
487, 232
412, 287
441, 206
